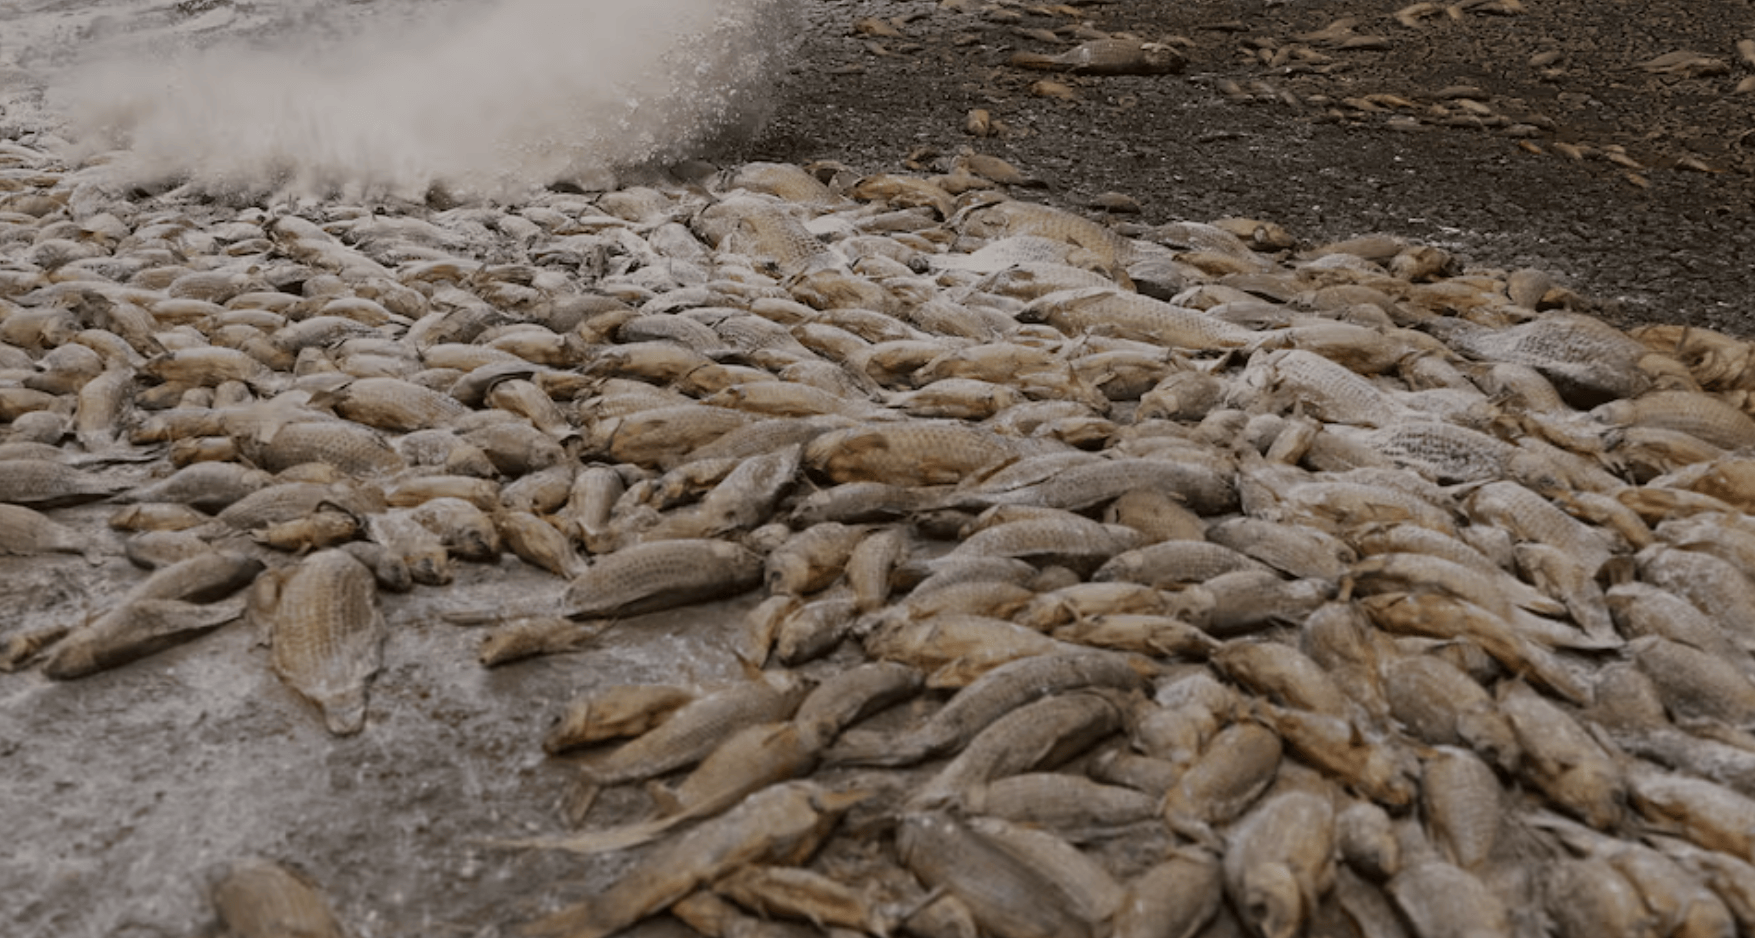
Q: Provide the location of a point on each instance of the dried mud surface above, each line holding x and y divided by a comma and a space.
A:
1659, 243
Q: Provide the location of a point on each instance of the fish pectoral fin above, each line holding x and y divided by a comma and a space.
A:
664, 799
590, 842
579, 797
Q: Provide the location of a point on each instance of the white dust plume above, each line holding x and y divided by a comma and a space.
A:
484, 99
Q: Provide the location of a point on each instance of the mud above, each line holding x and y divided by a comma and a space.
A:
129, 791
1663, 243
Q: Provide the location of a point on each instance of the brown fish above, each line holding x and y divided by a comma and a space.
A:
1006, 896
661, 575
24, 532
1106, 57
782, 824
259, 898
327, 634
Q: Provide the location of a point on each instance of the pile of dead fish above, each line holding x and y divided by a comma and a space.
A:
1183, 582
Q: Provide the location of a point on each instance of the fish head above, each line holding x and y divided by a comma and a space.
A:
344, 712
1273, 904
430, 568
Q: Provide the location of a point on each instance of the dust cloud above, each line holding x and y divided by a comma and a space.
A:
481, 99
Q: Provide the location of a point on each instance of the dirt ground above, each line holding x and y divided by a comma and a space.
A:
1257, 126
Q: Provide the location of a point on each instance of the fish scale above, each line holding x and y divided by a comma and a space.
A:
327, 636
661, 575
1531, 517
1328, 391
40, 483
353, 449
1448, 452
1107, 311
1575, 351
915, 453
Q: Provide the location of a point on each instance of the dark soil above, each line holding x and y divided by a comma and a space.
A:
1642, 235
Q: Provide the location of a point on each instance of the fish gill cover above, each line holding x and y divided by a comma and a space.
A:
395, 98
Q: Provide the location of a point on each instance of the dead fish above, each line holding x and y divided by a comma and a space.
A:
1707, 814
415, 544
990, 696
1283, 674
689, 735
795, 893
24, 532
811, 559
914, 453
1440, 705
1107, 57
260, 898
1696, 685
1107, 311
325, 527
327, 634
814, 629
1295, 551
139, 628
209, 486
781, 824
1366, 839
614, 711
463, 529
1174, 899
538, 543
42, 484
661, 575
1279, 862
1562, 759
520, 637
1379, 769
151, 550
1013, 219
1589, 361
1174, 564
854, 694
1442, 617
869, 565
1061, 539
956, 648
1463, 804
1076, 807
1589, 896
1005, 896
1042, 734
1444, 901
392, 404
